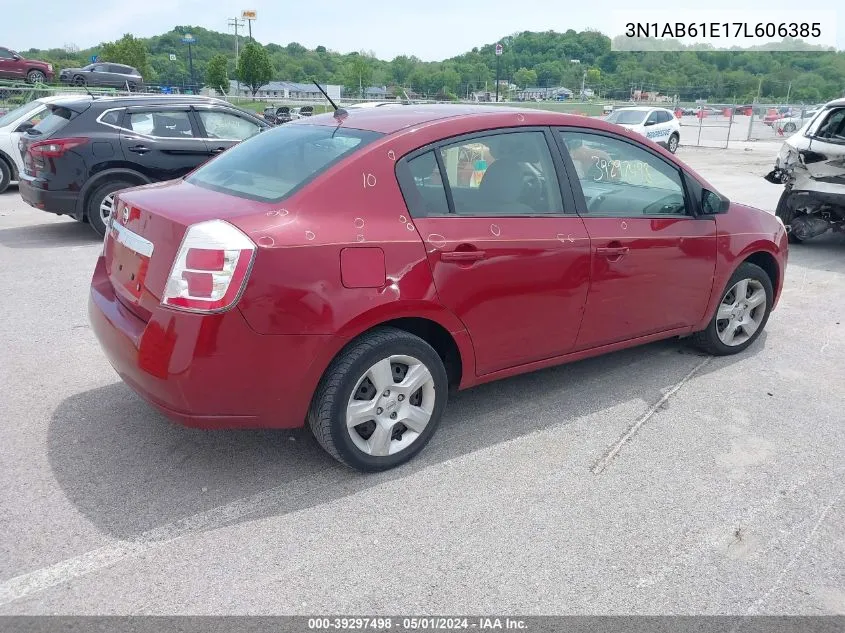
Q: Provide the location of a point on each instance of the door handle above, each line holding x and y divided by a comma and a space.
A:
218, 150
613, 252
139, 149
462, 256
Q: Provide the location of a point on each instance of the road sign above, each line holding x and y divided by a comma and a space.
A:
498, 49
172, 57
95, 59
249, 14
187, 38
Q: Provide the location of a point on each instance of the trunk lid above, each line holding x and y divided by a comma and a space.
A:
146, 232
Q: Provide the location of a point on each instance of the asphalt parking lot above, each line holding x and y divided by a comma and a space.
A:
727, 499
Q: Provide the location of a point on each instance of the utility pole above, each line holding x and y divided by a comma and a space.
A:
759, 89
583, 81
788, 90
499, 51
236, 22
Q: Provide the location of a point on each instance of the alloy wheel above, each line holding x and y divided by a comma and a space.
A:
673, 144
106, 207
741, 312
390, 406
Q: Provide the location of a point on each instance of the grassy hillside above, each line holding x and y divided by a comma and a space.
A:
535, 59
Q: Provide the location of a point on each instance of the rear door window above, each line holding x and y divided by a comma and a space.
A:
508, 173
161, 123
422, 186
271, 165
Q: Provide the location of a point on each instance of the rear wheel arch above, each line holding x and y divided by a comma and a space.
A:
102, 178
439, 338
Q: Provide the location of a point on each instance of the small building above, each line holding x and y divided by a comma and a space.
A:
285, 90
543, 94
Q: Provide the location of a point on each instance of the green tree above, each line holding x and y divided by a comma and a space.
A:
525, 77
130, 51
217, 73
254, 66
359, 72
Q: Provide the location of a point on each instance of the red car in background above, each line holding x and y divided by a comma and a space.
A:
15, 66
347, 270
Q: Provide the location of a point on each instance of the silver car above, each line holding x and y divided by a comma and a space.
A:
103, 74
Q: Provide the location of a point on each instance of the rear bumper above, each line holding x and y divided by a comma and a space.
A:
207, 371
59, 202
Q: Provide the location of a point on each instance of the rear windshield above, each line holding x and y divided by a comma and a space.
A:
270, 165
18, 112
627, 117
53, 122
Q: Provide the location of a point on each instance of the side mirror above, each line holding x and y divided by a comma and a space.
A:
17, 57
650, 122
714, 203
23, 127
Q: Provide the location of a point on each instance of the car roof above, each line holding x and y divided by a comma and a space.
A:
137, 100
640, 108
389, 120
835, 102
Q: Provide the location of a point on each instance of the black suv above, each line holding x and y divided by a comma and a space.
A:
87, 148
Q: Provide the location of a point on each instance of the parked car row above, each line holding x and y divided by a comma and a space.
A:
276, 115
71, 154
14, 66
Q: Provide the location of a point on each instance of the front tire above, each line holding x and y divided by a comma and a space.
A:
786, 215
101, 202
35, 77
79, 80
741, 315
789, 128
673, 143
5, 175
380, 400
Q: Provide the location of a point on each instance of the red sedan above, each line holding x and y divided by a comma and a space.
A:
343, 271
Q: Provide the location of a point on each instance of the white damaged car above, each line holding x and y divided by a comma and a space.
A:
811, 165
658, 124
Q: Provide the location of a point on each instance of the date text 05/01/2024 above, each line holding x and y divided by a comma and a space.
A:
425, 623
723, 29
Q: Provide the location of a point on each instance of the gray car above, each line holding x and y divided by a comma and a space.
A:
103, 74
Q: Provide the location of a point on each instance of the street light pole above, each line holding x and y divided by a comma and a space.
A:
498, 65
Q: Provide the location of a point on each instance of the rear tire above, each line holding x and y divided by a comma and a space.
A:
5, 175
367, 382
786, 215
741, 315
99, 201
672, 145
789, 128
35, 77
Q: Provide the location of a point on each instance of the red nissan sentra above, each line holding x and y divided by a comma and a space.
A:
348, 269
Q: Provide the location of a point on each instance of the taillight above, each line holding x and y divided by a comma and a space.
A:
211, 268
54, 148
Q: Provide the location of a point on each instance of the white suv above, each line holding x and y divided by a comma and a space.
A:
658, 124
12, 124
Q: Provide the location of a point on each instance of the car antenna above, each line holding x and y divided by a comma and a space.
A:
338, 112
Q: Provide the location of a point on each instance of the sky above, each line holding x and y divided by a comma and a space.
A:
431, 30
